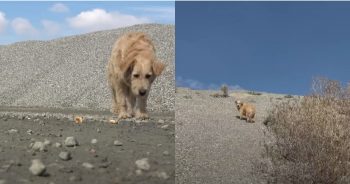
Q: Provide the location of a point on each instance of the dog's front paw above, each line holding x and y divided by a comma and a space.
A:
124, 115
142, 115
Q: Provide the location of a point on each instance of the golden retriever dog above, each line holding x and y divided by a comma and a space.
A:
246, 111
131, 69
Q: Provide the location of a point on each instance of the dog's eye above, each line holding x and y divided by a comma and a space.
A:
136, 75
148, 76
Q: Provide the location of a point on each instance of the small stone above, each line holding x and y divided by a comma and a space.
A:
12, 131
39, 146
112, 121
70, 142
47, 142
138, 172
29, 131
164, 126
88, 165
94, 141
98, 130
162, 175
58, 145
143, 164
161, 121
117, 143
37, 168
65, 155
75, 178
2, 181
159, 145
166, 153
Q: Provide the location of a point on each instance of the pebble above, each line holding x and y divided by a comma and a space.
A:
138, 172
164, 126
12, 131
143, 164
58, 145
2, 181
98, 130
29, 131
75, 178
88, 165
166, 153
117, 143
162, 175
161, 121
70, 142
47, 142
94, 141
37, 168
65, 155
39, 146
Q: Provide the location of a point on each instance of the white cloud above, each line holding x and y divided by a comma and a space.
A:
59, 8
23, 26
194, 84
51, 27
100, 19
3, 22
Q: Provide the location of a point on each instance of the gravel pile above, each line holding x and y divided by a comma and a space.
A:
70, 72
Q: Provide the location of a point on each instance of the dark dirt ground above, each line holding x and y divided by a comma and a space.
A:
112, 164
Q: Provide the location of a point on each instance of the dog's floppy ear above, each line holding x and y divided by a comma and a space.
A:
158, 67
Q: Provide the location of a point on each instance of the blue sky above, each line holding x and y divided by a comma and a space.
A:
21, 21
264, 46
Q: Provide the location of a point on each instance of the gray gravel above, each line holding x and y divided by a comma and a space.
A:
70, 72
212, 145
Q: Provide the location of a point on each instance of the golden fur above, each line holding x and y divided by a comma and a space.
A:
131, 69
246, 111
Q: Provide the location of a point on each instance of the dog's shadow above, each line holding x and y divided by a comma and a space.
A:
243, 118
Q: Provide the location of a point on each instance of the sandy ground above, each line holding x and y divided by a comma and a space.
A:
153, 140
212, 144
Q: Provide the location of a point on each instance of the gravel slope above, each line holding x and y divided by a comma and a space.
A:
71, 72
212, 145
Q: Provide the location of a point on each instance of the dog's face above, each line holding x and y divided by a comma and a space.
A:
239, 104
141, 73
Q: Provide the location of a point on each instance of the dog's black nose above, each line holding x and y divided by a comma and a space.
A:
142, 92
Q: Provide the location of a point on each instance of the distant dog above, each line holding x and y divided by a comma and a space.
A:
131, 69
246, 111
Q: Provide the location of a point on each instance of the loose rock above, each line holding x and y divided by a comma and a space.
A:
37, 168
75, 178
88, 165
39, 146
94, 141
47, 142
29, 131
12, 131
65, 155
70, 142
162, 175
164, 126
117, 143
143, 164
161, 121
58, 145
166, 153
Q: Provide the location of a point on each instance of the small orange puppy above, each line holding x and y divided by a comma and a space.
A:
246, 111
131, 69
